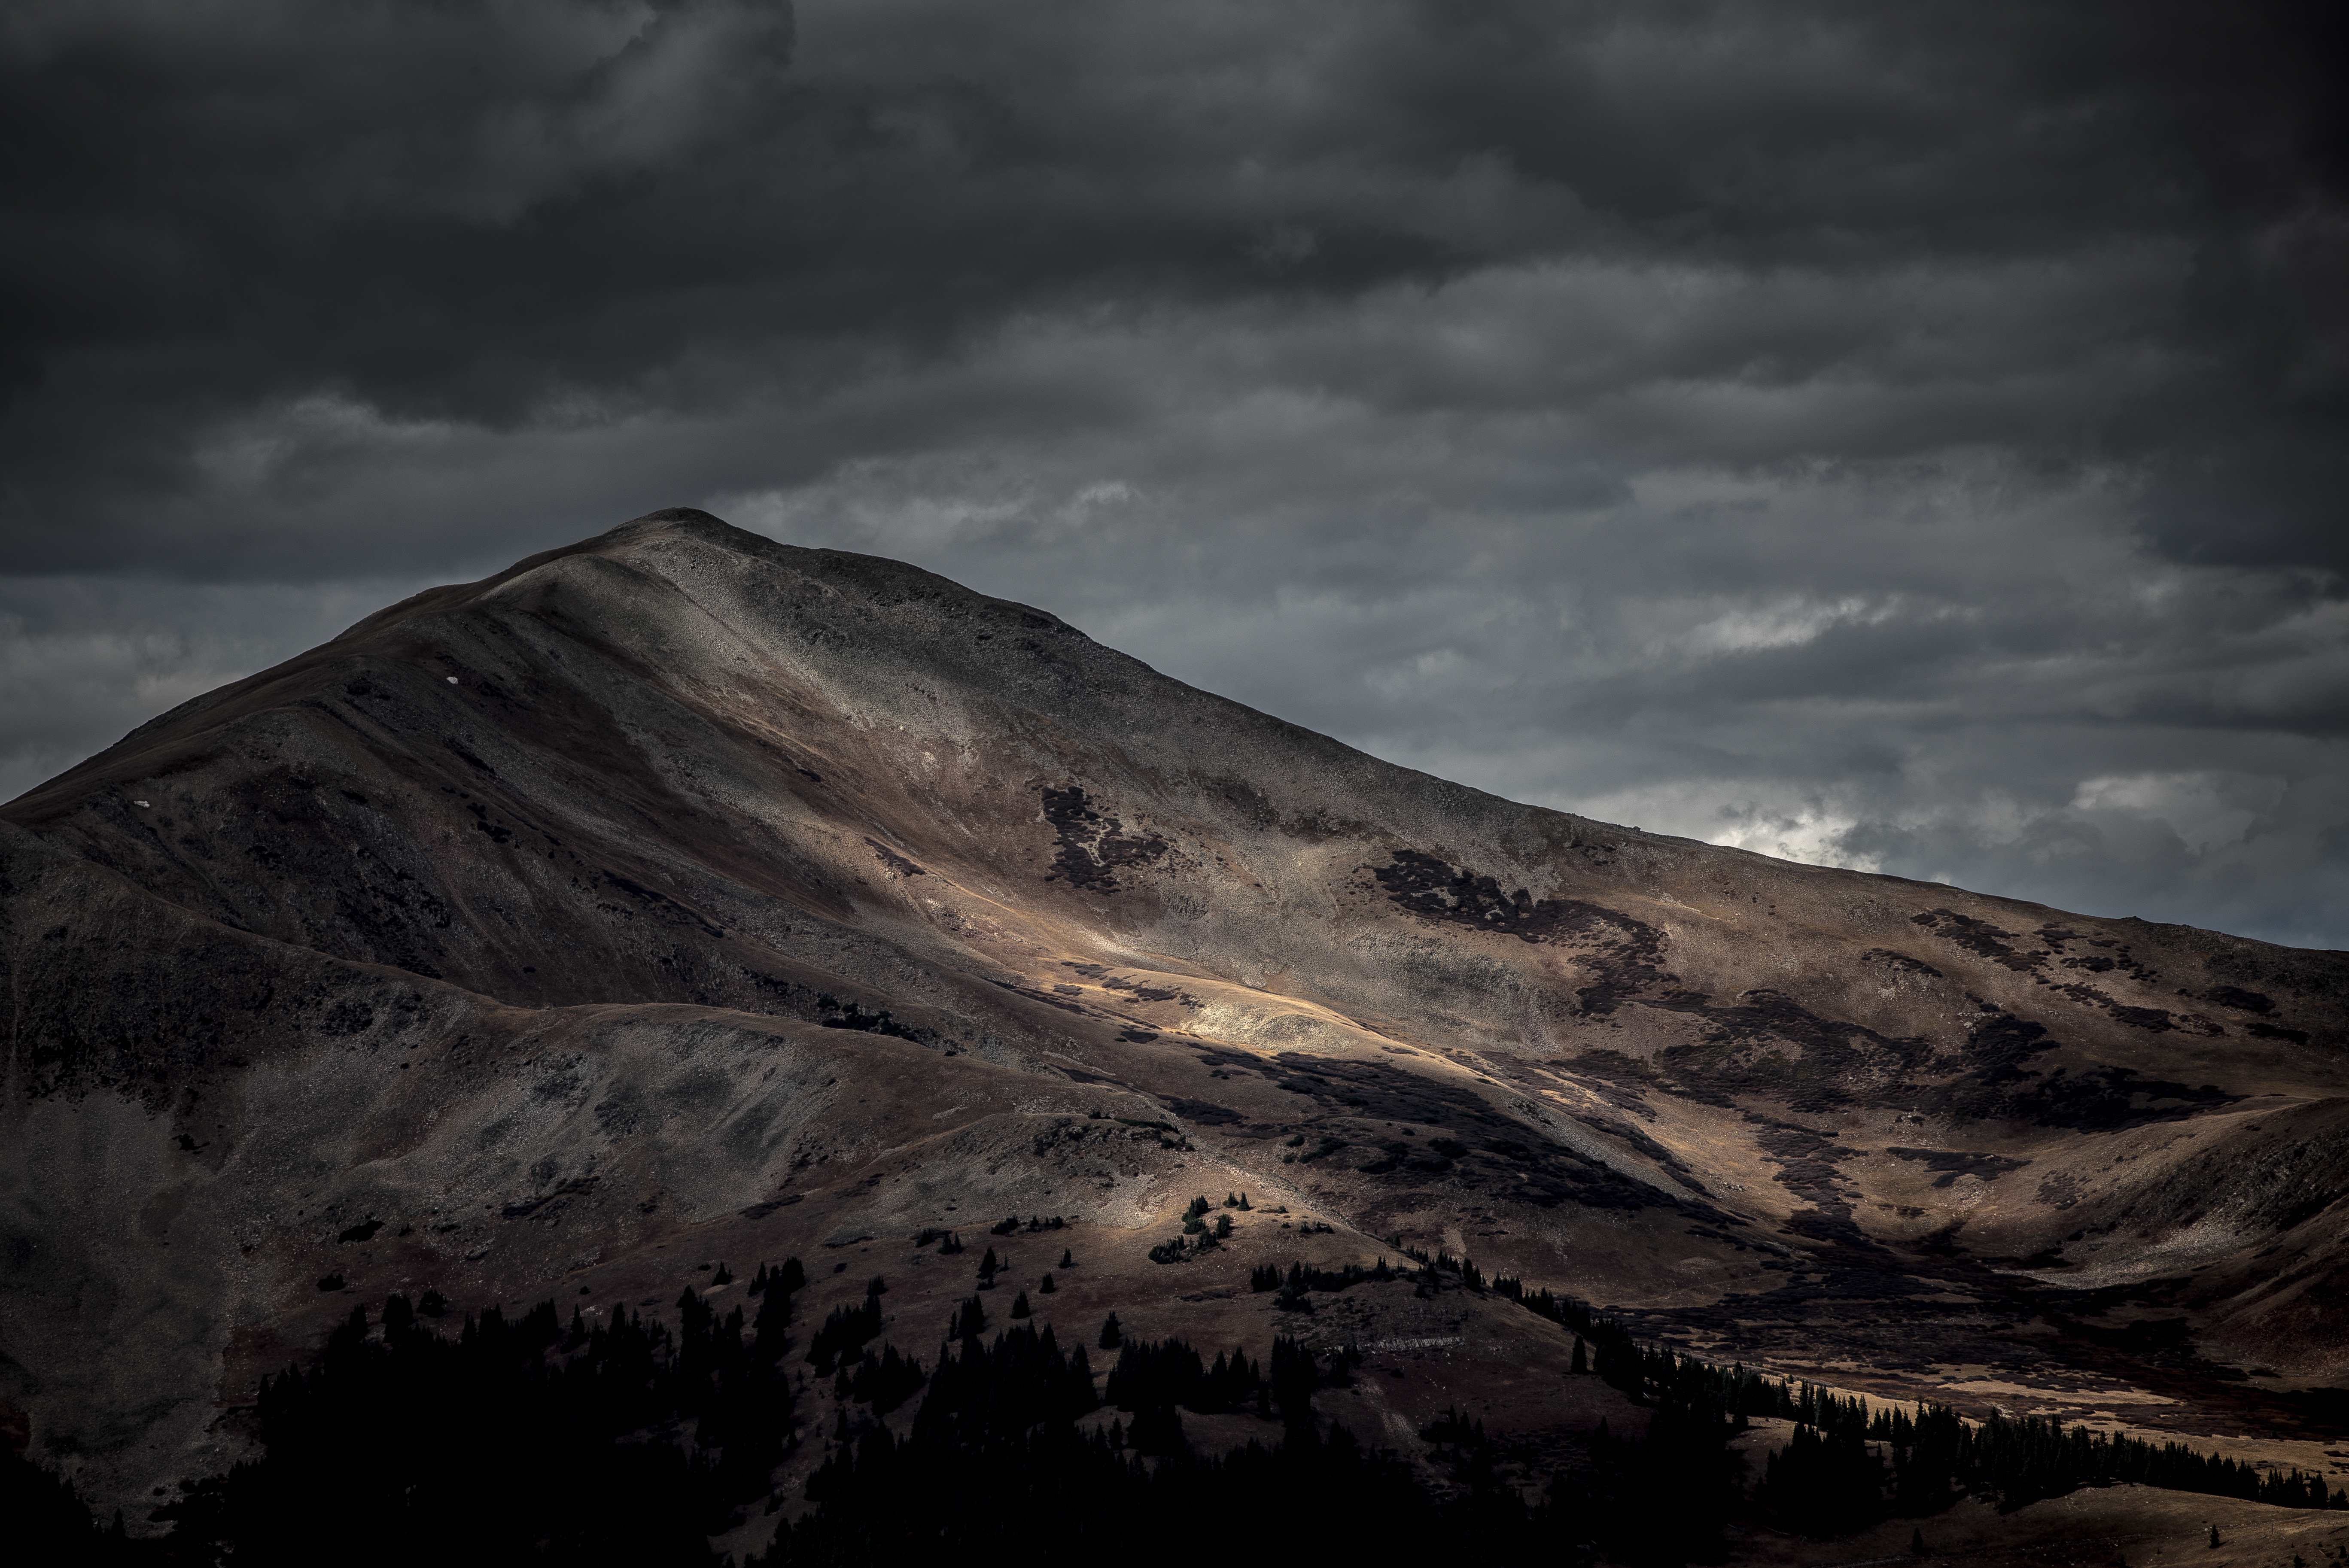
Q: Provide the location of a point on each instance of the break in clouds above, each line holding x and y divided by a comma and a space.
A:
1904, 438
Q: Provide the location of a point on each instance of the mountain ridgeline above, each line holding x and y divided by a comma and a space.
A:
680, 895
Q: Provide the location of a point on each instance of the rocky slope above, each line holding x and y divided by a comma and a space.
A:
682, 896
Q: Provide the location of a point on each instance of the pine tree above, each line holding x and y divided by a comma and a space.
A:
1581, 1357
1020, 1307
2214, 1536
1045, 1285
1156, 1429
1294, 1374
1917, 1543
1067, 1260
772, 1324
1109, 1336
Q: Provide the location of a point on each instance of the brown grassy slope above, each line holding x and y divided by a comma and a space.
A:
508, 919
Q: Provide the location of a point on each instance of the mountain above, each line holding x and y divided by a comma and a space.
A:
681, 898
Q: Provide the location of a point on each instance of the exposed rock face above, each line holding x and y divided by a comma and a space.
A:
681, 885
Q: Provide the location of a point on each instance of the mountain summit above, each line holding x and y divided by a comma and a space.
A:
681, 896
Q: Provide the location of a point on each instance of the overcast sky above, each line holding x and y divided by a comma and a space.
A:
1905, 436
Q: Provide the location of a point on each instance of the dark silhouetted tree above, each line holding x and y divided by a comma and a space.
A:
1157, 1430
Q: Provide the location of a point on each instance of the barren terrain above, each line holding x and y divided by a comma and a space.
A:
682, 898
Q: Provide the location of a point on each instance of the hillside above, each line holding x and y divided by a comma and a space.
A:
681, 897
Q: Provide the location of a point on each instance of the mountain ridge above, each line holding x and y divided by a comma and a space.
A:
607, 845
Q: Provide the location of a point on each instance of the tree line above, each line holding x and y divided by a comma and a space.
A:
1827, 1479
1001, 1461
612, 1441
624, 1439
621, 1439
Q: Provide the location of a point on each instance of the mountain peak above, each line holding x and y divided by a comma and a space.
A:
683, 893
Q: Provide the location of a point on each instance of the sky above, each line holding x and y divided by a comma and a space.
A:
1912, 438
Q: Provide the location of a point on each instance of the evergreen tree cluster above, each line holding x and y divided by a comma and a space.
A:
1302, 1277
791, 1276
617, 1442
1845, 1467
44, 1514
1054, 1495
855, 1017
1295, 1373
845, 1330
2020, 1459
1157, 1431
1824, 1482
1455, 1428
1034, 1222
885, 1381
982, 1393
1438, 1272
1464, 1271
1198, 1235
1169, 1372
1563, 1310
994, 1466
622, 1441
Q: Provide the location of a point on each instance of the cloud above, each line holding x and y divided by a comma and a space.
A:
86, 660
1905, 436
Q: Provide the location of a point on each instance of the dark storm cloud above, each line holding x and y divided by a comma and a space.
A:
487, 212
1905, 436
